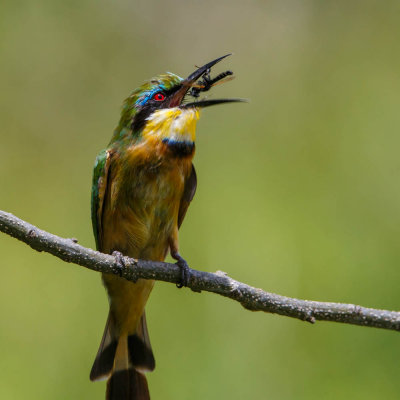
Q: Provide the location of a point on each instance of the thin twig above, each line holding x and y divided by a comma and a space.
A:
249, 297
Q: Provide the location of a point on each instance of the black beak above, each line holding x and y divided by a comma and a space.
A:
211, 102
191, 79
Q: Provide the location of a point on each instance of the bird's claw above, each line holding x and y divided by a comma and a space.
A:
119, 265
185, 273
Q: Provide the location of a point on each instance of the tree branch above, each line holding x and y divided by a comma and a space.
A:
249, 297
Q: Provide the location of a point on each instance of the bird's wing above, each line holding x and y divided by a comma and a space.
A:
188, 194
99, 189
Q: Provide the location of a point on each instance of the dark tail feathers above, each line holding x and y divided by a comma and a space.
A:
127, 384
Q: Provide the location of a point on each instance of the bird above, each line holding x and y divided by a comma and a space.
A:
143, 183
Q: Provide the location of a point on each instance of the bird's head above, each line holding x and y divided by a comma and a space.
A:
161, 110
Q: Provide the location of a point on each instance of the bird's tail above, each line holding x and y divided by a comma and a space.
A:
123, 360
127, 384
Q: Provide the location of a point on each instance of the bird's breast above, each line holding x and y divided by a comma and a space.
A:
145, 203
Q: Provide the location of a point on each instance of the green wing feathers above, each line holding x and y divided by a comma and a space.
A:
99, 189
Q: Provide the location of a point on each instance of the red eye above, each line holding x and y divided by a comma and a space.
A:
159, 97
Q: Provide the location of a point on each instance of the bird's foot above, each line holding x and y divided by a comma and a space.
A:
185, 271
119, 265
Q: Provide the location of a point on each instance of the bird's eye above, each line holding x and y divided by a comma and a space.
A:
159, 97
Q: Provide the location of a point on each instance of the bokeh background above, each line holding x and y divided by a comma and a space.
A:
298, 192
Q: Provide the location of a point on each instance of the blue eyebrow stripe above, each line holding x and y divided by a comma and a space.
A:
146, 97
149, 94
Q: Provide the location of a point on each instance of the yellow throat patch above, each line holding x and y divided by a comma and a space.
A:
172, 125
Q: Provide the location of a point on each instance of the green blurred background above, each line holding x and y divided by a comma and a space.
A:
298, 192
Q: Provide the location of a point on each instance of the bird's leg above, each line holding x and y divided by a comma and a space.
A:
183, 265
180, 261
119, 262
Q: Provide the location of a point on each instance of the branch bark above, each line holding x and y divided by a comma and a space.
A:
249, 297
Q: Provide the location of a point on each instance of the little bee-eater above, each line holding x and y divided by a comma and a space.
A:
143, 184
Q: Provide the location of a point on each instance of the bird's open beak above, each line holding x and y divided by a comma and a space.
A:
191, 80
